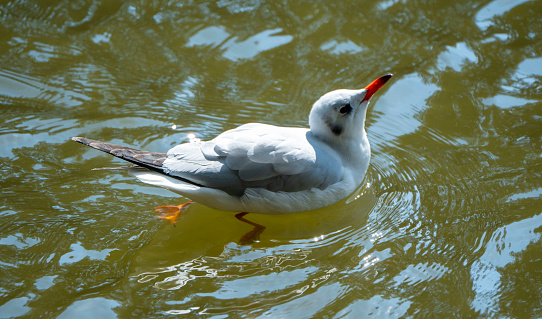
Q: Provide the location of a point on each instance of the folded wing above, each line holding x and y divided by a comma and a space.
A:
256, 156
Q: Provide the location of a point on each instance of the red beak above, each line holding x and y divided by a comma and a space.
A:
375, 86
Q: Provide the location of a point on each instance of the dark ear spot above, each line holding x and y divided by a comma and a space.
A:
336, 129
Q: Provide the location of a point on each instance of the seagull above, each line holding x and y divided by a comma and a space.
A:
262, 168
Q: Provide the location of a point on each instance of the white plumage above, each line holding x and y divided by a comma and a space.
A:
264, 168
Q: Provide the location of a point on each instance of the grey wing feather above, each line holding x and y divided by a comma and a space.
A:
265, 157
188, 161
251, 156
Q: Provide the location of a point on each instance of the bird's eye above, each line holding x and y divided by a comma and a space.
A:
345, 109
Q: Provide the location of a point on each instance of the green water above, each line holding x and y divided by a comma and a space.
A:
449, 221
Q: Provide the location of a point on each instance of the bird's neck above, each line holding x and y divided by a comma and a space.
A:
353, 149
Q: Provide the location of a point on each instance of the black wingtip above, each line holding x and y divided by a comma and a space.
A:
82, 140
150, 160
144, 160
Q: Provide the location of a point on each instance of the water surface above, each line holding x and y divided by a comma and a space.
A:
448, 221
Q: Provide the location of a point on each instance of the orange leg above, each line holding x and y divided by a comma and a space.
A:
172, 212
252, 235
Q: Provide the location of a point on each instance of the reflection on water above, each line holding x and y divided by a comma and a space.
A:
234, 49
447, 221
486, 14
20, 86
501, 249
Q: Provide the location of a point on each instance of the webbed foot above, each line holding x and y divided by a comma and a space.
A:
172, 212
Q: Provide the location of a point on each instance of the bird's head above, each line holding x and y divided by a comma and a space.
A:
340, 114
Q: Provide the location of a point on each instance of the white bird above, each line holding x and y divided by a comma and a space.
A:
263, 168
